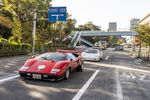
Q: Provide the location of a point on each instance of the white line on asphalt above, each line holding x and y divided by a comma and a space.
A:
142, 77
106, 57
128, 68
132, 76
86, 85
119, 88
9, 78
90, 69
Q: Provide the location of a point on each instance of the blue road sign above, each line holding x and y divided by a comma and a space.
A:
56, 14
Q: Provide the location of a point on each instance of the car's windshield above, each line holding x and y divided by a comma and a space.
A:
52, 56
91, 51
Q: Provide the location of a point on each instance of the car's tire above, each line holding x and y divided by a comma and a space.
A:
101, 58
80, 68
67, 74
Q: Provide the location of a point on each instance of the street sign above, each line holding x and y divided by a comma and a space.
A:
56, 14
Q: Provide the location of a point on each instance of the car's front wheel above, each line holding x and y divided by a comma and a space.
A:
67, 74
80, 68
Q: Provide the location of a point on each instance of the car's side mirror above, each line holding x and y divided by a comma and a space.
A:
33, 56
71, 59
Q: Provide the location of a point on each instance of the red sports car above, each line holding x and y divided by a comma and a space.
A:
52, 66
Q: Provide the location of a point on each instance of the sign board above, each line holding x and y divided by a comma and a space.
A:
56, 14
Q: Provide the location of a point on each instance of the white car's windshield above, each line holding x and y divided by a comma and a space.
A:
91, 51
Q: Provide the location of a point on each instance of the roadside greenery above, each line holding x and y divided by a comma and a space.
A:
17, 22
143, 37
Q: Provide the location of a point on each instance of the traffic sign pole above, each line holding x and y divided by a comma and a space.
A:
55, 14
34, 32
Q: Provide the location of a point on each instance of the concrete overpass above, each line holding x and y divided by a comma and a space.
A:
77, 35
99, 33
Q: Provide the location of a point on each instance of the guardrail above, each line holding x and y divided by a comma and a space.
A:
87, 42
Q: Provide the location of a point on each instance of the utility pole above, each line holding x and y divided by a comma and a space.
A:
34, 31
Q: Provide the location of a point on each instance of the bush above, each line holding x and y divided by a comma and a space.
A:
12, 49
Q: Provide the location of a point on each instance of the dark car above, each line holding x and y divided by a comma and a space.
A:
120, 47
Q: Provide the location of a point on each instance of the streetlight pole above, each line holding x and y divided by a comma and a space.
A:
34, 31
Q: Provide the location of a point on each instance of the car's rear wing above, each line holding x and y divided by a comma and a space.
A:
75, 52
69, 51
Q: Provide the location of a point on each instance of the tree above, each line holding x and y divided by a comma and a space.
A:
88, 26
144, 35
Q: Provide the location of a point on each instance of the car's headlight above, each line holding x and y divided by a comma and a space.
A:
24, 68
55, 70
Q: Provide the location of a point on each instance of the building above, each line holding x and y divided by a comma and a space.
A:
145, 20
133, 23
112, 27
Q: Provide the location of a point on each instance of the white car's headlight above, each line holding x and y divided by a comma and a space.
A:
55, 70
24, 68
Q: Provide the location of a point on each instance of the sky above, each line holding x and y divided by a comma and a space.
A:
101, 12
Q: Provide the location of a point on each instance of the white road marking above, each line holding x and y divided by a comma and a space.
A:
119, 88
9, 78
132, 76
86, 85
107, 58
7, 66
125, 75
90, 69
142, 77
127, 68
11, 64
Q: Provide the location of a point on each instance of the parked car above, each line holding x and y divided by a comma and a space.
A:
51, 66
120, 47
92, 54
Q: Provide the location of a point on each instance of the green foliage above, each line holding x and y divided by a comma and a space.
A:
144, 33
19, 14
88, 26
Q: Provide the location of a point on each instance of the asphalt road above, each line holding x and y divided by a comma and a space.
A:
117, 77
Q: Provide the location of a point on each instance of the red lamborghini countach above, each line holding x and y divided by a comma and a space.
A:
52, 66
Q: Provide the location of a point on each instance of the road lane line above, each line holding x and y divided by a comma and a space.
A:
126, 68
90, 69
107, 58
132, 76
119, 88
142, 77
9, 78
86, 85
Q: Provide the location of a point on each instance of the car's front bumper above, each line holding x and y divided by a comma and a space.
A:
91, 59
39, 76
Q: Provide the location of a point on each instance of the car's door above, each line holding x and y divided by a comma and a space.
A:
74, 61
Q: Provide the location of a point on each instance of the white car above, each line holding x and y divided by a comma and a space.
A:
92, 54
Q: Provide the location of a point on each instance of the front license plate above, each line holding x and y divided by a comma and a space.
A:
36, 76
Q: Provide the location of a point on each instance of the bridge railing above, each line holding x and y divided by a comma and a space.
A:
100, 33
87, 42
75, 39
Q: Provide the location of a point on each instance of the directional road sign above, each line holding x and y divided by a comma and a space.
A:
56, 14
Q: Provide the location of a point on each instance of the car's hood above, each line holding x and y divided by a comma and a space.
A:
41, 66
89, 55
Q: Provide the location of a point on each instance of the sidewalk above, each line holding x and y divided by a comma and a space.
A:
142, 58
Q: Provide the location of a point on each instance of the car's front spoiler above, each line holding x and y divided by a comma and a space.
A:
29, 75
